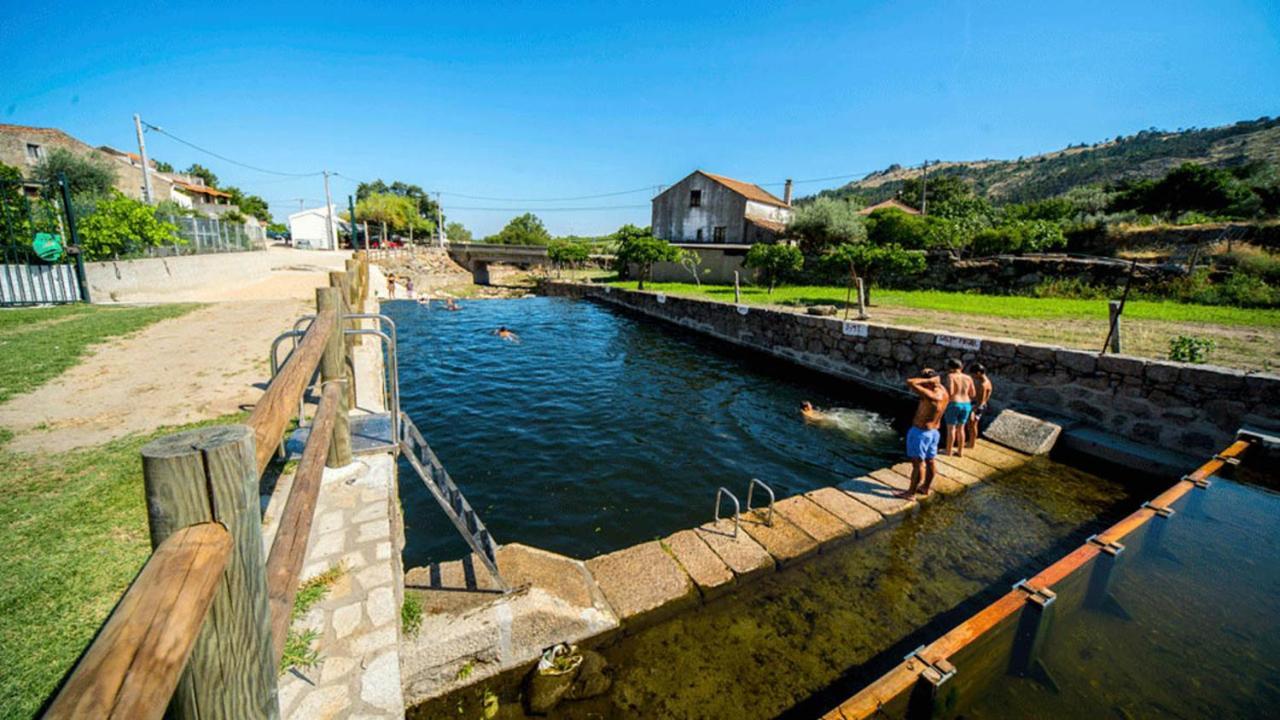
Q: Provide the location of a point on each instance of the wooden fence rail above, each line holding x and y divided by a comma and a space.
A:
199, 633
132, 666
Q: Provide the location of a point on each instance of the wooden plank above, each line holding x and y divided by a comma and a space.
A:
133, 665
272, 412
290, 546
887, 688
206, 475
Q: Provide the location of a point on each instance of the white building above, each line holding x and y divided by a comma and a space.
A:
309, 228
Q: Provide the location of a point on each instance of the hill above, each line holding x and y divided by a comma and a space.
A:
1147, 154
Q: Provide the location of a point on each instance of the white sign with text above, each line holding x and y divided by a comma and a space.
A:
742, 310
661, 298
854, 329
961, 343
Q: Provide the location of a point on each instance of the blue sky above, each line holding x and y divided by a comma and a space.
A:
537, 100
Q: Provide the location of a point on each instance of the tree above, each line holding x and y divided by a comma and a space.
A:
249, 204
774, 262
457, 233
567, 252
121, 224
890, 226
525, 229
825, 223
203, 173
424, 205
90, 174
1191, 187
391, 211
1019, 236
162, 166
637, 246
871, 262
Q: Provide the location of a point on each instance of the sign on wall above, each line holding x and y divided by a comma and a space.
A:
961, 343
742, 309
853, 329
661, 298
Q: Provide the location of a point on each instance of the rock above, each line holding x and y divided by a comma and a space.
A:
593, 677
824, 310
1023, 432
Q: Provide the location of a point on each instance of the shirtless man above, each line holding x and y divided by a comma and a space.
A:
960, 388
922, 437
980, 399
506, 334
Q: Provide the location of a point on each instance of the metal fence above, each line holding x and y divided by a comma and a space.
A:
40, 261
202, 235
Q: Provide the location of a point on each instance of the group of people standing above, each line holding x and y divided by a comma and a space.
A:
949, 409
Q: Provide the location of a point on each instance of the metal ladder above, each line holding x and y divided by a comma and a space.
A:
415, 449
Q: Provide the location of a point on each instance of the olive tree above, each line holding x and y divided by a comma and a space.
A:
774, 262
638, 246
826, 223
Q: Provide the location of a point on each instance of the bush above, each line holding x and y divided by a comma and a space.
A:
120, 225
638, 246
1072, 288
774, 262
568, 253
1188, 349
1019, 236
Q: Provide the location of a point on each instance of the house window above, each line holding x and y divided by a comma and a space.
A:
34, 152
717, 234
695, 197
699, 234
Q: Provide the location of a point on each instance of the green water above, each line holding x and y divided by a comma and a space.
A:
1199, 636
800, 640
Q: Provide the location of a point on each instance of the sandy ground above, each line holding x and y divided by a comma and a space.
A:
206, 364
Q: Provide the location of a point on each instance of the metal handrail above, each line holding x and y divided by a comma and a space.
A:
751, 486
393, 376
737, 509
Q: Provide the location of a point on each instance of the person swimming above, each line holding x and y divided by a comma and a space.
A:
451, 304
506, 334
812, 413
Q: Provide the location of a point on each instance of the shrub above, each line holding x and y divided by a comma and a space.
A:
121, 225
1019, 236
566, 252
774, 262
1185, 348
1074, 288
637, 246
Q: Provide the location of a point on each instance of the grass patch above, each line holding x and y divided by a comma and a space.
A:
1003, 306
38, 344
411, 614
313, 590
74, 532
299, 650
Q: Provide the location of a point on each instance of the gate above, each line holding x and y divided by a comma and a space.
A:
40, 261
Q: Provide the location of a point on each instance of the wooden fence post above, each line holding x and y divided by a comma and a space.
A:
339, 280
332, 369
1114, 307
210, 474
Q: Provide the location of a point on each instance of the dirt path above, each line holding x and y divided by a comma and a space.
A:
198, 366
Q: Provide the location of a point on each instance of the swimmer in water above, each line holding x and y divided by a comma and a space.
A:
449, 304
812, 413
506, 334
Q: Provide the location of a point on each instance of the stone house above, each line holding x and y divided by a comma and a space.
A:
24, 147
707, 208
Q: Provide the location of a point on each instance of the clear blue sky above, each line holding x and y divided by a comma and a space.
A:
530, 100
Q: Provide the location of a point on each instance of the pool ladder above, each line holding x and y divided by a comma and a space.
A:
737, 508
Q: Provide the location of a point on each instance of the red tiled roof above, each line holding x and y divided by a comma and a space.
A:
192, 187
747, 190
890, 203
770, 225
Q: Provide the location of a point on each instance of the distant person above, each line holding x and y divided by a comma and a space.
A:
960, 388
506, 334
391, 285
922, 436
980, 400
408, 287
811, 413
451, 304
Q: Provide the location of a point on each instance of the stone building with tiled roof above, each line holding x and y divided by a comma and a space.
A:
24, 147
707, 208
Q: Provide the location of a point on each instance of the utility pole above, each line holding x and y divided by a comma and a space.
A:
439, 221
328, 212
300, 202
142, 152
924, 189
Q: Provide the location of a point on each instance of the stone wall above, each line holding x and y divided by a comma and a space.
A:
1191, 409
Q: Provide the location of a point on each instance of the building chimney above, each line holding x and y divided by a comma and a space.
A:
786, 193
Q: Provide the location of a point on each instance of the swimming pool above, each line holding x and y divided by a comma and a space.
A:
599, 430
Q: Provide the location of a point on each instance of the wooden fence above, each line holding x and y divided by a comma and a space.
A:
200, 631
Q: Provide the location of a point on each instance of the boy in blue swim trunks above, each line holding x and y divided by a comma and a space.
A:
922, 436
960, 388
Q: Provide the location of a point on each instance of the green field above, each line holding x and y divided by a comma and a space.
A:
37, 344
1005, 306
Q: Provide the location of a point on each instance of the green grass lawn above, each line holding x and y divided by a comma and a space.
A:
1007, 306
37, 344
74, 532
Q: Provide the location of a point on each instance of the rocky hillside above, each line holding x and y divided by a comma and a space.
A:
1148, 154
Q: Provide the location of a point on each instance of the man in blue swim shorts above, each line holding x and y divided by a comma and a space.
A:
960, 387
922, 436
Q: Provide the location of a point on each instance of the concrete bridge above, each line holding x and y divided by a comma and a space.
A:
477, 257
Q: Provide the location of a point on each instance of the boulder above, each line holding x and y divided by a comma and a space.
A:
1023, 433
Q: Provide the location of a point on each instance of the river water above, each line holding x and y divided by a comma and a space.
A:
599, 430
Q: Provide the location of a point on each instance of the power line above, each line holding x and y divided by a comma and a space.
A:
553, 209
560, 199
224, 158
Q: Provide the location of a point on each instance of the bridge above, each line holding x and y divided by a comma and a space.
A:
477, 257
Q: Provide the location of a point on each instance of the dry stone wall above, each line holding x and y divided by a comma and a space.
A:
1190, 409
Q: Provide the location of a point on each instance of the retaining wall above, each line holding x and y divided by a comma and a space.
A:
148, 279
1180, 407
